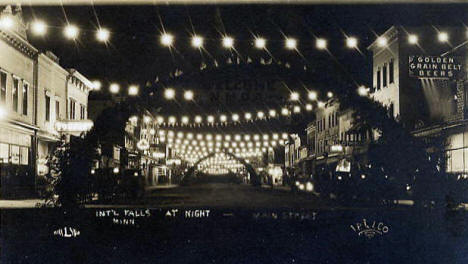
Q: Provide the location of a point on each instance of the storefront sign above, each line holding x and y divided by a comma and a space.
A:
68, 126
336, 148
433, 66
173, 162
143, 144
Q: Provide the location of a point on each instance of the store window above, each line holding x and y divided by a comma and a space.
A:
15, 154
4, 153
24, 156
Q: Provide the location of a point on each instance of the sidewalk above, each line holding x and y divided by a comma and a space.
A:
277, 187
27, 203
158, 187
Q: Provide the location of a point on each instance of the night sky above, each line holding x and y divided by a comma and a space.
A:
134, 54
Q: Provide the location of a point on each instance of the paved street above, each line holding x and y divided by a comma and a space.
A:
230, 195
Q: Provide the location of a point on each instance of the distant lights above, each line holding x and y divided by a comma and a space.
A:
228, 42
291, 43
166, 39
198, 119
248, 116
296, 109
284, 111
443, 37
321, 104
363, 91
351, 42
197, 41
312, 95
103, 35
260, 114
71, 32
223, 118
412, 39
6, 22
184, 120
235, 117
188, 95
3, 113
294, 96
272, 113
133, 90
97, 85
260, 43
169, 93
308, 107
210, 119
171, 120
114, 88
382, 41
39, 28
321, 43
329, 94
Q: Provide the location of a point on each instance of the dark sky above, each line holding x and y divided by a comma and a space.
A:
134, 54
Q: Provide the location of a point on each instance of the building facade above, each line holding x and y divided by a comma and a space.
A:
421, 79
33, 96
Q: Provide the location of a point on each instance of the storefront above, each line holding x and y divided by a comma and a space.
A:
16, 161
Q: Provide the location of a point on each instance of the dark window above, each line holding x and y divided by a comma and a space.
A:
3, 80
378, 80
384, 73
390, 110
15, 94
47, 108
391, 71
82, 112
329, 121
57, 110
336, 119
25, 98
72, 109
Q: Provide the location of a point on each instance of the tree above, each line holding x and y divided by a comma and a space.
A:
69, 177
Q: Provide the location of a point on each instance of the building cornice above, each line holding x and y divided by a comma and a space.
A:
49, 60
18, 43
390, 34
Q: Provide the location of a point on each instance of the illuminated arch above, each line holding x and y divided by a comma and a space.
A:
190, 174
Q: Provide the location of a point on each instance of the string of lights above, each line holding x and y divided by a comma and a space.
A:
236, 118
198, 138
39, 27
241, 117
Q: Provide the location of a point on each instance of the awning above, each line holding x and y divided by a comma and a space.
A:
357, 128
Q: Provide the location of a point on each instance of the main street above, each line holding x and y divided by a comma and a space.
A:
233, 195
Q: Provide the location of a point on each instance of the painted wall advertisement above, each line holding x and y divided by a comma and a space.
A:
421, 66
